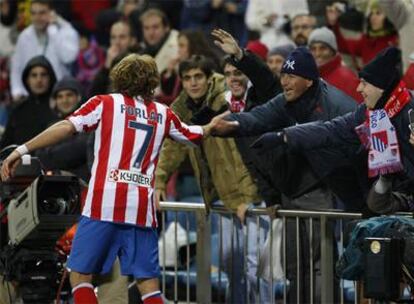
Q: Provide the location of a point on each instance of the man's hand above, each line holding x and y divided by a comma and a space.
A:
241, 212
220, 127
160, 195
269, 141
227, 43
112, 52
412, 138
19, 98
9, 165
53, 17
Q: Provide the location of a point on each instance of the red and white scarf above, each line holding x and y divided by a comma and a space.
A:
379, 136
236, 105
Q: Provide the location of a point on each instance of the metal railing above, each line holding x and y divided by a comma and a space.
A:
321, 220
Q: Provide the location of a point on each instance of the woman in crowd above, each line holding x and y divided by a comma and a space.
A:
379, 34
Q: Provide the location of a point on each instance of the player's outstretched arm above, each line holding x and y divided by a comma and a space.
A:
52, 135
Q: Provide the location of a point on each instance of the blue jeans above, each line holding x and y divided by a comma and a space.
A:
243, 282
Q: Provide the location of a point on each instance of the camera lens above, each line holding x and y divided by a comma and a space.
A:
53, 206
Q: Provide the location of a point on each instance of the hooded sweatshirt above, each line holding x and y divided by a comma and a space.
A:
33, 115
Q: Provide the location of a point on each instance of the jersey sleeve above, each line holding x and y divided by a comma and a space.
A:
88, 116
180, 132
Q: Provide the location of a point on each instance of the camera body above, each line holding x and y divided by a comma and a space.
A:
37, 210
43, 212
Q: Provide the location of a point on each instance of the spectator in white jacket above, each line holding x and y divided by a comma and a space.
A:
267, 17
49, 35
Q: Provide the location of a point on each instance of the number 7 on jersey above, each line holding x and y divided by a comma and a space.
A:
149, 130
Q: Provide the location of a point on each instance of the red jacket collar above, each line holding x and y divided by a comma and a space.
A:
330, 66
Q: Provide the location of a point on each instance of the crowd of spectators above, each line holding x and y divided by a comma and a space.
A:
212, 56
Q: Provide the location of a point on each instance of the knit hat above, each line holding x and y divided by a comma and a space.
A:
258, 48
384, 70
324, 35
282, 50
300, 62
67, 83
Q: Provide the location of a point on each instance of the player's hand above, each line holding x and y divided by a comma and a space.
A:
227, 43
221, 127
160, 195
9, 165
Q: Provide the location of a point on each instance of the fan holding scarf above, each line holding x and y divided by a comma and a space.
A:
380, 126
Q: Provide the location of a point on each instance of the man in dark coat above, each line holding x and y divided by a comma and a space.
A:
33, 115
305, 98
383, 93
72, 154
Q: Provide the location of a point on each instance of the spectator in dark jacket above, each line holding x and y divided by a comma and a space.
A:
122, 40
323, 46
70, 155
305, 98
381, 125
33, 115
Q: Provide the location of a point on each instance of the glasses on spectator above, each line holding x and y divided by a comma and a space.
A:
303, 27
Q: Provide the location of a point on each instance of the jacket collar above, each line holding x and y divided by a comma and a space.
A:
330, 66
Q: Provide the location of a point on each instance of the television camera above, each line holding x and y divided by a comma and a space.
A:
36, 210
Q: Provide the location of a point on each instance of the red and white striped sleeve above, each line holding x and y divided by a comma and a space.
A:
88, 116
179, 131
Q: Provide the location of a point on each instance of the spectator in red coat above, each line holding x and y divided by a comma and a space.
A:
379, 34
323, 46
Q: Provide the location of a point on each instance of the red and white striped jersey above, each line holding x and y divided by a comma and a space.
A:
129, 135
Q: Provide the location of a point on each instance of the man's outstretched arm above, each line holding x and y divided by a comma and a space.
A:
264, 118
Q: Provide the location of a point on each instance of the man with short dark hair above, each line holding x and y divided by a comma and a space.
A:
160, 41
70, 155
301, 27
222, 176
122, 41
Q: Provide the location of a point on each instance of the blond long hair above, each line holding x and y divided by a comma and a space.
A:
135, 75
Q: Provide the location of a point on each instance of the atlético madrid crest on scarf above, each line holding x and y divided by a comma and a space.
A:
380, 141
383, 155
379, 136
